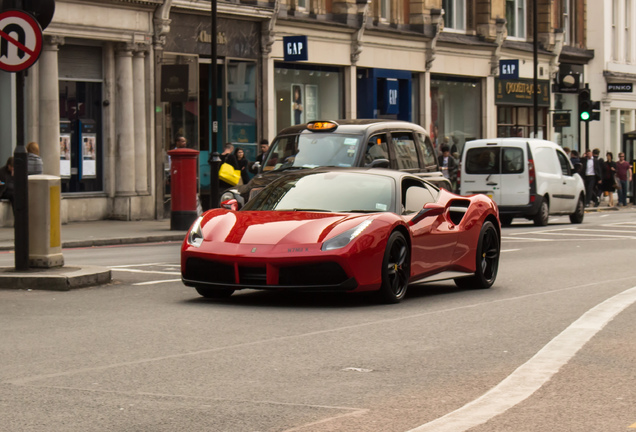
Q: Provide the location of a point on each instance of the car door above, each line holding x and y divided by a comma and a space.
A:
514, 183
433, 238
549, 178
569, 184
480, 172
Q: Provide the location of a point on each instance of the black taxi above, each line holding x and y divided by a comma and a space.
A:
377, 143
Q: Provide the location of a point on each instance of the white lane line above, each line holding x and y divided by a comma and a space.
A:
145, 271
529, 377
157, 282
139, 265
510, 250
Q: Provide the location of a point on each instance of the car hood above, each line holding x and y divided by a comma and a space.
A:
275, 227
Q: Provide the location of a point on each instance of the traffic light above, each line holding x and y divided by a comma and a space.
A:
585, 105
588, 109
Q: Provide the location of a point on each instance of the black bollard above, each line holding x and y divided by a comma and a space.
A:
215, 164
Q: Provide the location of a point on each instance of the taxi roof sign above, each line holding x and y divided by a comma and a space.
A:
322, 126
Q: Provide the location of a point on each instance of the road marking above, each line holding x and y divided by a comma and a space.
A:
633, 426
129, 270
510, 250
537, 371
157, 282
140, 265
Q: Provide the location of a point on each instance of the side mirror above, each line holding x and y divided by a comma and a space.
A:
230, 204
429, 210
379, 163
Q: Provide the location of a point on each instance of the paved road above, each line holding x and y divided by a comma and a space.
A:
147, 354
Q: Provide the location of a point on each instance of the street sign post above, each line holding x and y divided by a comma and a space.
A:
20, 48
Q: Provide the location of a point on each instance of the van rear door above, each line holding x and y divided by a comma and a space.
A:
480, 171
515, 186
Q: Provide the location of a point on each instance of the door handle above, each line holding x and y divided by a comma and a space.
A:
492, 184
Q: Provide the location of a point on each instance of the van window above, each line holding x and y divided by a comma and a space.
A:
404, 147
565, 164
545, 160
512, 160
482, 160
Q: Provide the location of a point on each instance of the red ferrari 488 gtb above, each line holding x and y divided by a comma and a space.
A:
331, 229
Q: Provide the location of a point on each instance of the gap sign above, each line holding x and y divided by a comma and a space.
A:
508, 69
295, 48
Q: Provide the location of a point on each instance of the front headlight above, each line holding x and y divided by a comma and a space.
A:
345, 238
195, 236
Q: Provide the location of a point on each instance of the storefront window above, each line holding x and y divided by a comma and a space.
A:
567, 136
306, 94
241, 101
519, 122
455, 111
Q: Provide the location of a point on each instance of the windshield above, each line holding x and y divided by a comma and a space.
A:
338, 192
311, 150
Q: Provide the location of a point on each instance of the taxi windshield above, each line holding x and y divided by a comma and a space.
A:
311, 150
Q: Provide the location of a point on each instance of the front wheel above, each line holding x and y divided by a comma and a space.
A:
215, 293
541, 218
396, 269
487, 257
579, 213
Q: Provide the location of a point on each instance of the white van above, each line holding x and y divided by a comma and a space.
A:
528, 178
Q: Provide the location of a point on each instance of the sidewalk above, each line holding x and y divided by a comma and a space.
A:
83, 234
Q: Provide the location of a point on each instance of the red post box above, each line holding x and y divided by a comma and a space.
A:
183, 188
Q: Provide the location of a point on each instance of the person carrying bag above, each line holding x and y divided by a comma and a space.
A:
229, 173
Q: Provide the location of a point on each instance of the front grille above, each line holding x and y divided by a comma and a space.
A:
320, 274
198, 269
252, 276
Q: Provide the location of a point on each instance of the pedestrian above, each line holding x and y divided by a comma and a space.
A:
448, 165
228, 157
264, 146
592, 176
243, 164
574, 158
180, 141
34, 161
624, 174
7, 187
608, 183
598, 189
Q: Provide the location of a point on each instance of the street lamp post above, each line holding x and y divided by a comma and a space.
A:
535, 83
213, 158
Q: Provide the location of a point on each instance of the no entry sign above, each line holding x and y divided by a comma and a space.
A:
20, 41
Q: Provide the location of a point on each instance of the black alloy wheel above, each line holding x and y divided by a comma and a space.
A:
487, 257
396, 269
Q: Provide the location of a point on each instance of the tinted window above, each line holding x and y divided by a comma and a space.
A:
426, 148
330, 192
482, 160
404, 148
512, 160
377, 148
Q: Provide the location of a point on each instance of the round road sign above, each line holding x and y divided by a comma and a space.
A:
20, 40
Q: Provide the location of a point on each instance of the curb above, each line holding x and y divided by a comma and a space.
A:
111, 241
54, 279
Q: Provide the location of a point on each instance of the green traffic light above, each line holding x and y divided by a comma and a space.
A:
585, 116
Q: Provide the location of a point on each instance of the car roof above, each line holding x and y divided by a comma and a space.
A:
356, 126
509, 141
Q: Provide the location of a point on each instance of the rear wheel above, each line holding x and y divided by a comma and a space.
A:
215, 293
488, 251
579, 213
396, 269
541, 218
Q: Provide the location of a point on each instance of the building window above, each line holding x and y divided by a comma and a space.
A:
516, 18
628, 32
513, 121
302, 4
385, 10
569, 22
454, 14
455, 111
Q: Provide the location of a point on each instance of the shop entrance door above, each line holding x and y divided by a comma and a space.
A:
81, 149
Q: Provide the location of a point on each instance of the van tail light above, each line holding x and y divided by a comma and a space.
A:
531, 173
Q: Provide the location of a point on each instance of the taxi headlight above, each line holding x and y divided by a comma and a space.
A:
195, 236
345, 238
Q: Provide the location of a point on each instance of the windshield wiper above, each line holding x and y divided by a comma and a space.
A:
288, 168
310, 210
360, 211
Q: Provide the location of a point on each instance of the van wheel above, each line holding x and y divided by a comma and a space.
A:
505, 220
577, 216
541, 218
